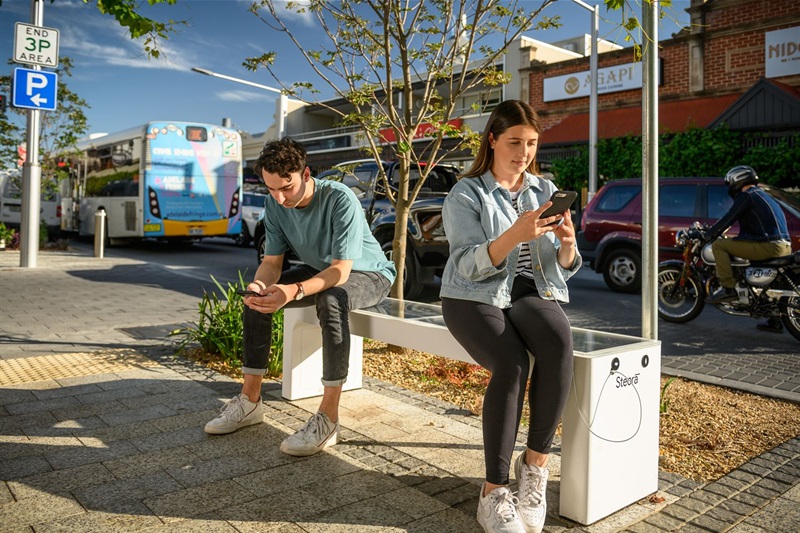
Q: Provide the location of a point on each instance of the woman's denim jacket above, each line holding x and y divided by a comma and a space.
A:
476, 212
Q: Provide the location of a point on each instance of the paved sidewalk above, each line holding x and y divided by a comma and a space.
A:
101, 429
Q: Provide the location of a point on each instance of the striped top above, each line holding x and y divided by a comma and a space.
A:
524, 262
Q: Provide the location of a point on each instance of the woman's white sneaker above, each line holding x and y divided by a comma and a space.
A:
532, 486
497, 512
316, 435
237, 412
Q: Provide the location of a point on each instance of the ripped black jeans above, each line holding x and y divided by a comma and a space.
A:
362, 289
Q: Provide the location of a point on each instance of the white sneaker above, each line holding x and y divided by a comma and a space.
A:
497, 512
316, 435
532, 485
237, 413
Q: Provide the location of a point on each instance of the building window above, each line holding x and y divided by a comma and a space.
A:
479, 102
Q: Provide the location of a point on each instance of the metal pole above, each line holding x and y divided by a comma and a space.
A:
100, 233
650, 169
593, 105
31, 174
283, 111
593, 61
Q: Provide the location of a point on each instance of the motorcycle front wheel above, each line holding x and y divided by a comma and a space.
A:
790, 315
676, 303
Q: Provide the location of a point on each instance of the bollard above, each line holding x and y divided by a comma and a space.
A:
99, 232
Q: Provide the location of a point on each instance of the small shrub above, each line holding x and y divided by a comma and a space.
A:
220, 326
6, 233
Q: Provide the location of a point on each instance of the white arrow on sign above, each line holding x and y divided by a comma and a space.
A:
35, 82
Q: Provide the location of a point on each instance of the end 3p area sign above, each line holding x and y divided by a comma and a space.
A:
35, 45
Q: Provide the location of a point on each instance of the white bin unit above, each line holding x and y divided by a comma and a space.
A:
609, 452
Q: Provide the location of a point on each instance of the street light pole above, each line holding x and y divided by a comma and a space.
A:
283, 104
592, 98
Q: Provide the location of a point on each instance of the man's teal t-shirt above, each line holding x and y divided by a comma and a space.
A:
332, 226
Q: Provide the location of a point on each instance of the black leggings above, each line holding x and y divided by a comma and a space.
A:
499, 340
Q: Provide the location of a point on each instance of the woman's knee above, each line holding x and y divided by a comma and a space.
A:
510, 369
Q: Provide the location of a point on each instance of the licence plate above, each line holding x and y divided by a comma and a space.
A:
152, 227
195, 231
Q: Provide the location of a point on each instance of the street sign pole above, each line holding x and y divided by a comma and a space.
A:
31, 173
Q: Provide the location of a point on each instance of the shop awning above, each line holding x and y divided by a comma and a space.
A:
673, 117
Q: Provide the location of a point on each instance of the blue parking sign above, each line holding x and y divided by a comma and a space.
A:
34, 89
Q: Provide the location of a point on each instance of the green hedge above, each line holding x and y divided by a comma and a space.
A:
695, 152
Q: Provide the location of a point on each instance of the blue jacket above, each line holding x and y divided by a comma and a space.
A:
476, 212
759, 215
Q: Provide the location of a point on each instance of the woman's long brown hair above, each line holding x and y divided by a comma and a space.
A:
506, 115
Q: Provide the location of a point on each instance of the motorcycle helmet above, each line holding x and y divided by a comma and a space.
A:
738, 177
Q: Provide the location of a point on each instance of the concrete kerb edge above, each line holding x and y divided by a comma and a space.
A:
768, 392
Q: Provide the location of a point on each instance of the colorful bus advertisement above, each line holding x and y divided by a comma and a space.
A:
192, 180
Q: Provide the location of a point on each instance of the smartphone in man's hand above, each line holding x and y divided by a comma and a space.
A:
562, 200
243, 292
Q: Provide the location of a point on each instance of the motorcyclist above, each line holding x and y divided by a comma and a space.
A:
763, 233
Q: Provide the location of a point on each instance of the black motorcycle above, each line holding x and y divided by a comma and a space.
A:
765, 289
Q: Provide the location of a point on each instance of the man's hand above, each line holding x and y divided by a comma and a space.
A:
273, 297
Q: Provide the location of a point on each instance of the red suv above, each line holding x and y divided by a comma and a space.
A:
610, 239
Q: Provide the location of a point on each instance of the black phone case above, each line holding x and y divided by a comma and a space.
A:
562, 200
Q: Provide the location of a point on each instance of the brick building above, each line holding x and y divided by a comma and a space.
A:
738, 63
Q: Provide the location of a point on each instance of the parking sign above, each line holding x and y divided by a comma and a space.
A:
34, 89
35, 45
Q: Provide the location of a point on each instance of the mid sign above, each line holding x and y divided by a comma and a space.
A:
34, 89
35, 45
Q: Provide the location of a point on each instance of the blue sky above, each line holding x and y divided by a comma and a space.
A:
125, 89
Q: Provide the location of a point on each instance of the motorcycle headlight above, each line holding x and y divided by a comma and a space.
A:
680, 238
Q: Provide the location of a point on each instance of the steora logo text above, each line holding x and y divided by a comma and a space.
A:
624, 382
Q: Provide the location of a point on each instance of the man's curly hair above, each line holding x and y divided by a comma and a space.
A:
281, 157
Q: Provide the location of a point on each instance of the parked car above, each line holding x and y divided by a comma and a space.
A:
610, 238
427, 248
252, 208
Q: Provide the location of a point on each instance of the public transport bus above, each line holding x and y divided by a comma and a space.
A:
165, 180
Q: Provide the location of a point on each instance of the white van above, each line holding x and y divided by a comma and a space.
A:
11, 203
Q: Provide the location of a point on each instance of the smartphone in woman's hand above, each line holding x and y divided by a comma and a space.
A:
562, 200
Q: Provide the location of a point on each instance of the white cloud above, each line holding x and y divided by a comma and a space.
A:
109, 44
282, 7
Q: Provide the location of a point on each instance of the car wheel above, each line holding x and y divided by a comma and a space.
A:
411, 286
243, 239
262, 240
622, 271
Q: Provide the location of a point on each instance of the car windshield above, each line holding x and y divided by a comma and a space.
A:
440, 179
616, 198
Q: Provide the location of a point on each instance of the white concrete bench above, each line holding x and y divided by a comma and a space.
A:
610, 424
403, 323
